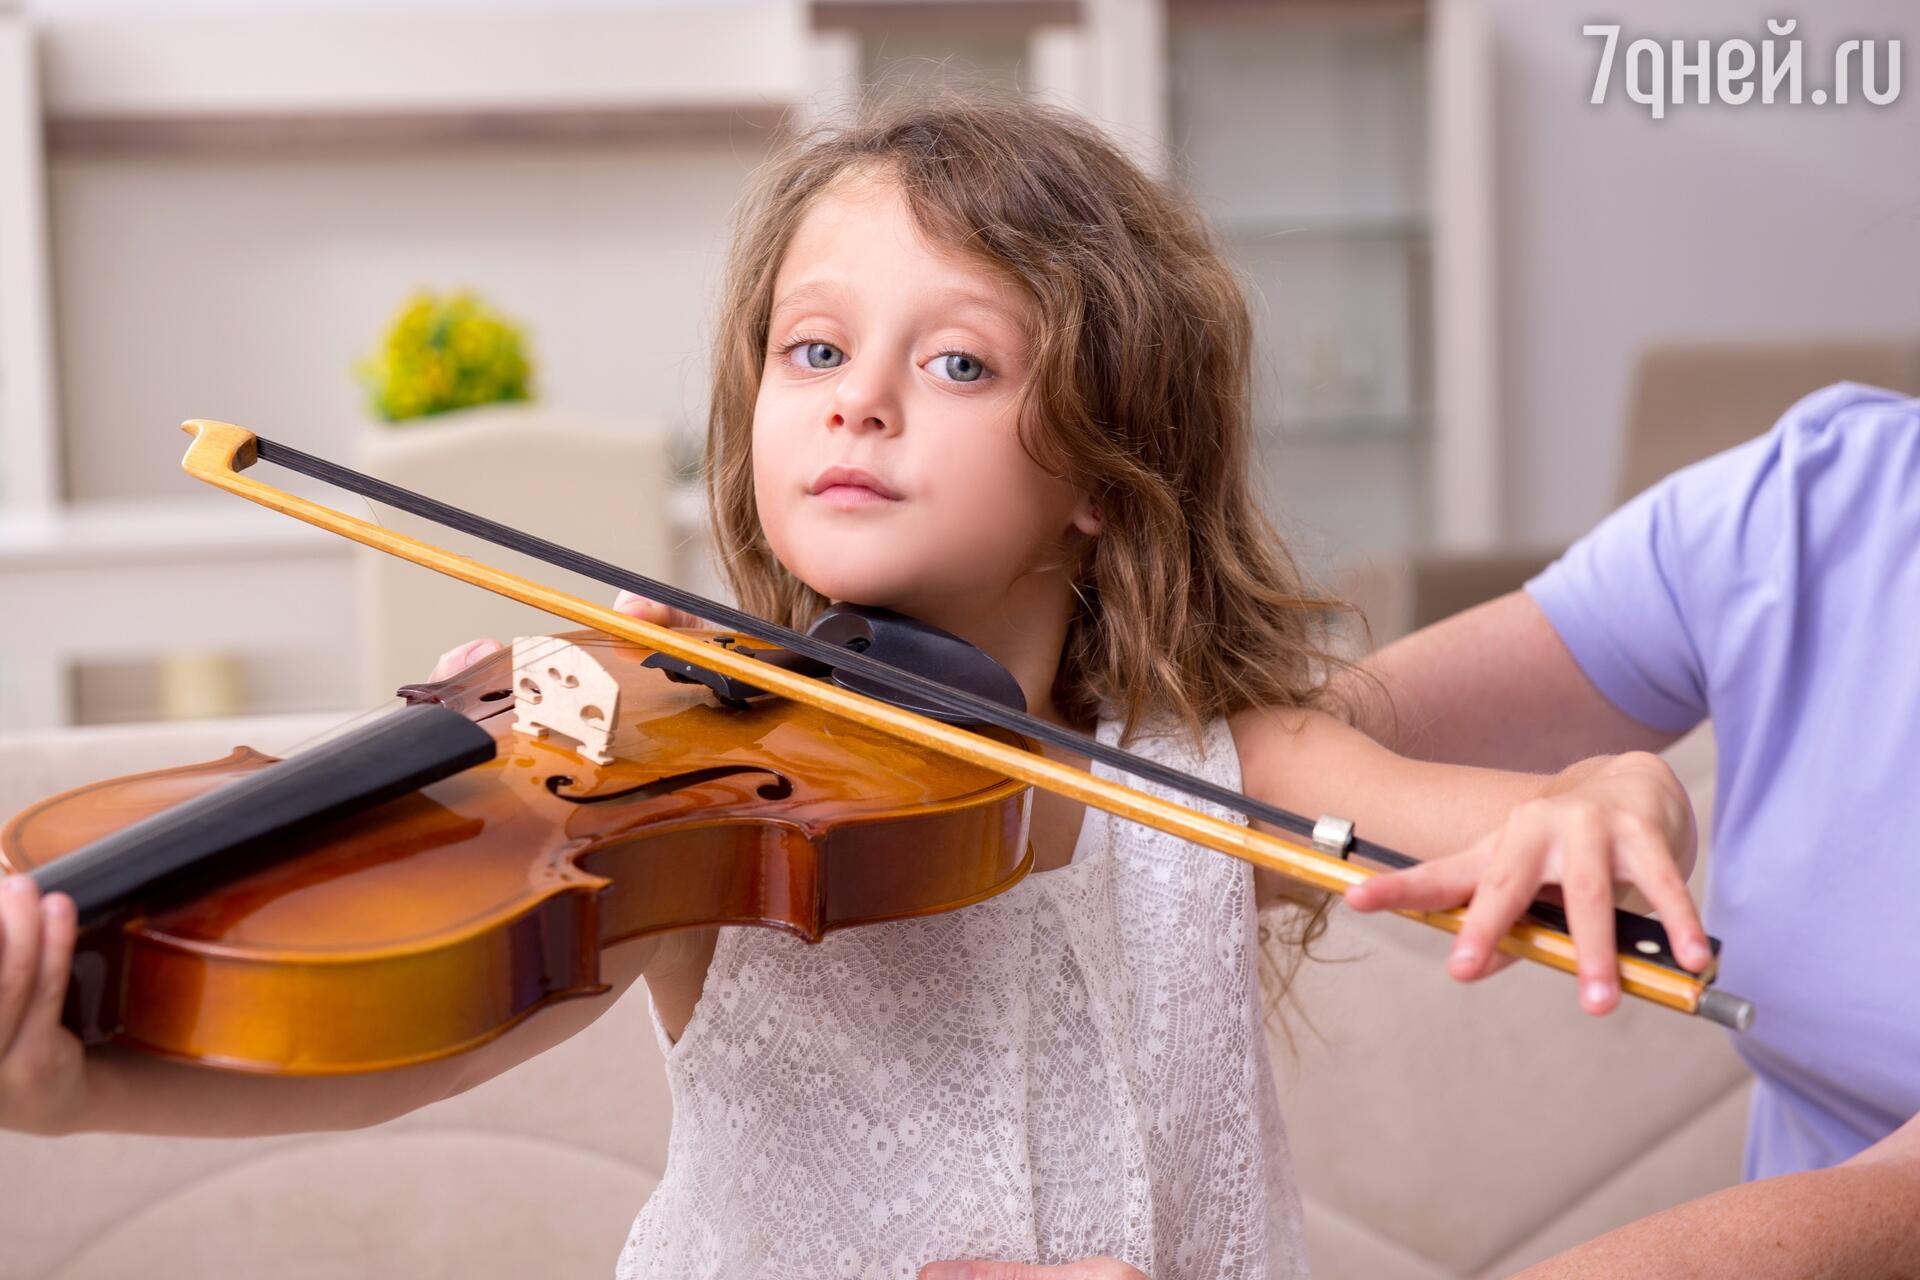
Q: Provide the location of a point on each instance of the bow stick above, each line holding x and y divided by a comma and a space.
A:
221, 451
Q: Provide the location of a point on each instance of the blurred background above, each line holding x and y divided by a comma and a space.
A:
474, 248
1460, 267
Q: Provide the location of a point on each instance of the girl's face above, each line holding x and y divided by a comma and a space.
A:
887, 467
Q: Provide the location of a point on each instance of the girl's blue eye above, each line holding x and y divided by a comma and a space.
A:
823, 355
961, 367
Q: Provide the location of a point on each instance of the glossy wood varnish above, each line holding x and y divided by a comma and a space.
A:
434, 922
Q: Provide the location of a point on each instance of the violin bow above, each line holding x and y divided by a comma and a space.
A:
221, 451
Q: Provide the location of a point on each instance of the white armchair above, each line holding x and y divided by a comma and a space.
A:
597, 487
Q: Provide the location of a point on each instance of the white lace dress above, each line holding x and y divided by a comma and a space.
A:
1075, 1067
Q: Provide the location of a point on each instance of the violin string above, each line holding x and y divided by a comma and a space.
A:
951, 700
332, 731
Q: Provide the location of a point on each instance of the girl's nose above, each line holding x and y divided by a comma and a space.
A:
869, 423
865, 403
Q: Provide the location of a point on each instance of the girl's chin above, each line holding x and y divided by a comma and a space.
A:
909, 596
855, 583
853, 591
872, 569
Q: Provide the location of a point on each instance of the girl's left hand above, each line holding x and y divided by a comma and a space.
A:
1085, 1269
1615, 819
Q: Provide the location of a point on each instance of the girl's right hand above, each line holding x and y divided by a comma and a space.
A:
42, 1064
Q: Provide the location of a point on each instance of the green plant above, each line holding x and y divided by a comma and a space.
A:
445, 353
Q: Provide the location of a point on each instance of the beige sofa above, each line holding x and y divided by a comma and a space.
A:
1688, 401
1438, 1131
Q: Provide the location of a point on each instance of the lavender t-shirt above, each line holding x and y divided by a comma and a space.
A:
1776, 588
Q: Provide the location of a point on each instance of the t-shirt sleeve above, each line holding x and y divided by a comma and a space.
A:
1638, 600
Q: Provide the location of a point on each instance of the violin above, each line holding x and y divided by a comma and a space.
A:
290, 936
416, 887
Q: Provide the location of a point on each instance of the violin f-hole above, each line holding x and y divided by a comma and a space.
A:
779, 789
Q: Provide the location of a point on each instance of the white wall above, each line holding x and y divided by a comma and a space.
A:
243, 287
1616, 231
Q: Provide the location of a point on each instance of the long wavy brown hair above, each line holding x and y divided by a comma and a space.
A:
1139, 392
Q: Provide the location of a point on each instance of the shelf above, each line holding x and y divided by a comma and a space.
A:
324, 62
279, 134
168, 530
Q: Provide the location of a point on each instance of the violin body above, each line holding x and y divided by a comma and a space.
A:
433, 922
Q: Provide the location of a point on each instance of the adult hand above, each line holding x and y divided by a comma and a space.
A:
461, 657
653, 611
1085, 1269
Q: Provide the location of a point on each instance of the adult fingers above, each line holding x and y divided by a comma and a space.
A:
653, 611
459, 659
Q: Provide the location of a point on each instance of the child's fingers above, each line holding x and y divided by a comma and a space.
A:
1654, 873
1506, 889
1431, 886
58, 927
19, 952
1586, 894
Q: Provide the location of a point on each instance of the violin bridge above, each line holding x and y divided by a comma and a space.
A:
560, 688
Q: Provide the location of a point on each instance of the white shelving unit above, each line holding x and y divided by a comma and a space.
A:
28, 457
1305, 139
109, 584
227, 177
237, 141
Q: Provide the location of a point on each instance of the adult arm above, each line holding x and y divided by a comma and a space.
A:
1494, 686
1859, 1220
1617, 645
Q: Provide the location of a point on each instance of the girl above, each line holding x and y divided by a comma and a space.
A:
976, 367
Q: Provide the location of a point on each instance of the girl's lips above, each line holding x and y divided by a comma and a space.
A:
852, 497
849, 488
